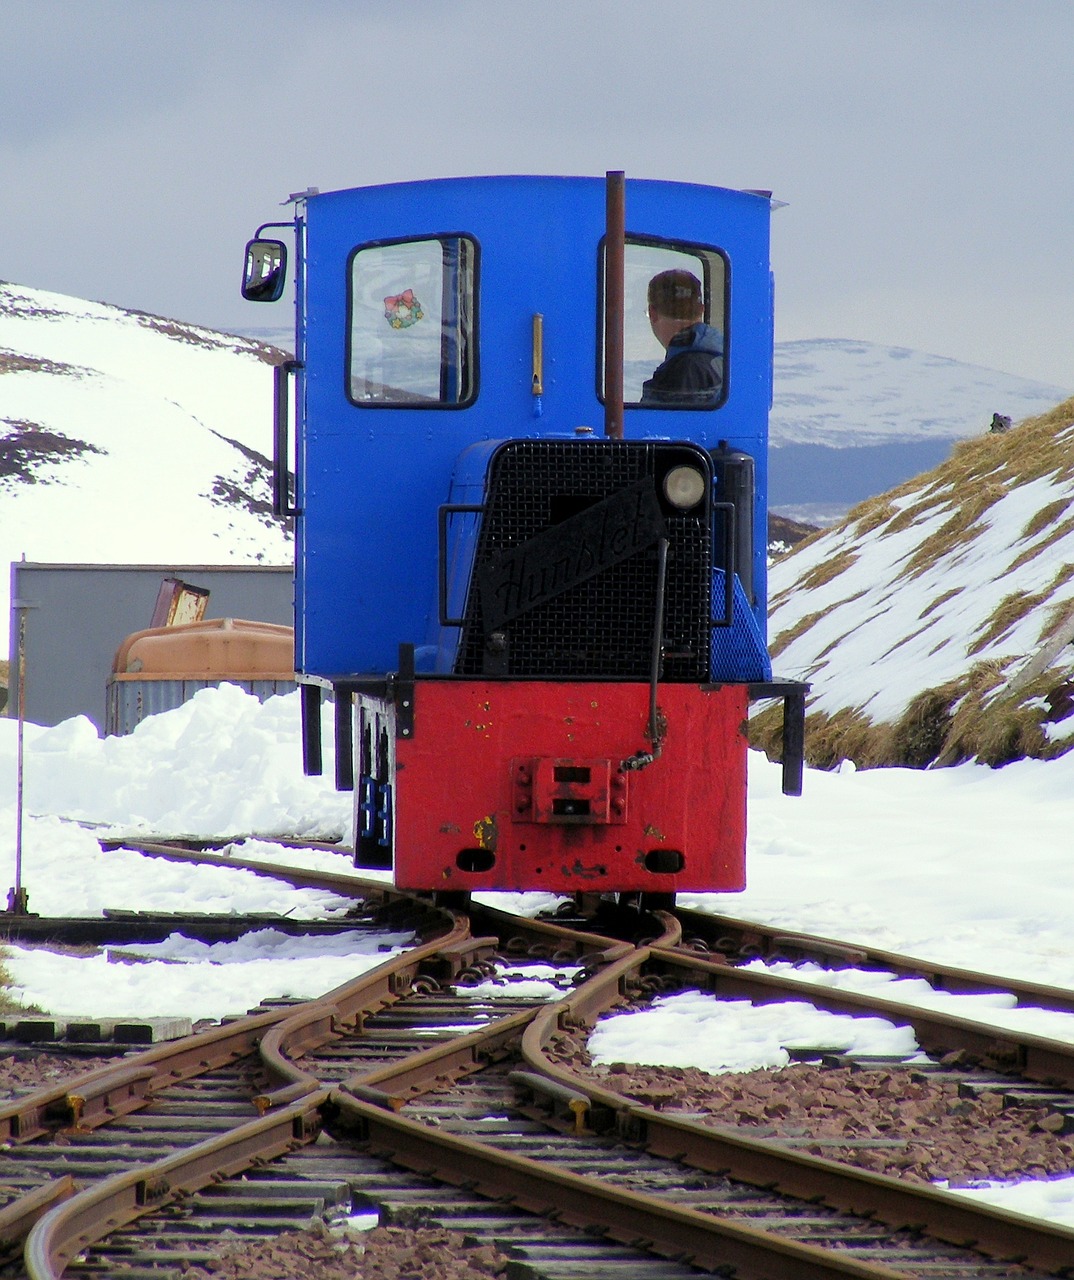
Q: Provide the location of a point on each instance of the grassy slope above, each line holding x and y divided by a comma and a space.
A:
1003, 642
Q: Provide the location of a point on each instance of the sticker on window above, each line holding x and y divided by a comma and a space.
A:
412, 339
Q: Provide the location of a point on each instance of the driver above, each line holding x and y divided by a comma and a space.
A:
692, 373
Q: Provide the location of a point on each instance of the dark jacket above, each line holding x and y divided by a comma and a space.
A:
692, 373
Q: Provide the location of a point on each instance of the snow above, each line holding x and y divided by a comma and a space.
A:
169, 415
735, 1035
883, 632
963, 866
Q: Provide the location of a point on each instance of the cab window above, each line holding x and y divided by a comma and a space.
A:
675, 331
412, 323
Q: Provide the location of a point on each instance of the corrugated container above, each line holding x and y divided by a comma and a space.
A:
161, 668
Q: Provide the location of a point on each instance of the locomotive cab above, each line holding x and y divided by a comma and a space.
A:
541, 635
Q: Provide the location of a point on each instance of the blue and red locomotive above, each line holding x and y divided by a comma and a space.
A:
529, 446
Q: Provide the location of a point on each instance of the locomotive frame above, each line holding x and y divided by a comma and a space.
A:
541, 641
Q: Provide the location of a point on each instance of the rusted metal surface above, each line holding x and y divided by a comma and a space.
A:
614, 302
112, 1094
364, 1109
525, 937
346, 885
59, 1106
67, 1229
18, 1218
95, 1096
943, 1215
727, 933
162, 667
220, 649
342, 1010
636, 1219
440, 1063
1032, 1056
131, 698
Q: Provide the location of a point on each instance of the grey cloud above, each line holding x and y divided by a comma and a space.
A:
923, 148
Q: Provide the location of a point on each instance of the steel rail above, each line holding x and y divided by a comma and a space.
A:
767, 941
342, 1012
567, 940
93, 1098
63, 1233
1034, 1057
441, 1064
722, 1150
97, 1096
346, 885
714, 930
635, 1219
18, 1218
578, 1103
363, 1107
632, 1218
69, 1228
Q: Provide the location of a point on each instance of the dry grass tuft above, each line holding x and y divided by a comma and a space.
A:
1044, 517
976, 715
848, 735
1010, 610
1019, 604
827, 570
996, 730
970, 718
1058, 533
870, 515
940, 601
960, 527
788, 637
919, 736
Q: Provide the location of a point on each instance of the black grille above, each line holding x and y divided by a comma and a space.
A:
579, 615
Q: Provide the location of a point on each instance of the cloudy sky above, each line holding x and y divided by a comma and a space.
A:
923, 146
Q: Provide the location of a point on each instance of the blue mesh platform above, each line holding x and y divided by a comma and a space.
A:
738, 651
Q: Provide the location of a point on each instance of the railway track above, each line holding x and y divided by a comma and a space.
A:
407, 1081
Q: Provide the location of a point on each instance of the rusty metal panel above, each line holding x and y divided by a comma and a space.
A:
536, 807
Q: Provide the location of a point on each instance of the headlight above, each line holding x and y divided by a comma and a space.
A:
684, 487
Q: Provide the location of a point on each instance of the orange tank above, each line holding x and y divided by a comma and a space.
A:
215, 650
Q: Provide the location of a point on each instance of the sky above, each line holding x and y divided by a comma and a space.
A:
922, 147
912, 861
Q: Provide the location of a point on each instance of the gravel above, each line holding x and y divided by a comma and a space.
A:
896, 1120
893, 1120
384, 1253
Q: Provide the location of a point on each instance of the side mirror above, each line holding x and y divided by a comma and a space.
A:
265, 272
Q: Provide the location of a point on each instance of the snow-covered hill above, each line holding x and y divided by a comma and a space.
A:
852, 419
131, 439
935, 622
845, 394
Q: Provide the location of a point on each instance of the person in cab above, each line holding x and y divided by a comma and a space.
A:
691, 375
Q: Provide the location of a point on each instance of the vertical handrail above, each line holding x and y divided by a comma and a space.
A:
281, 439
655, 736
614, 304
